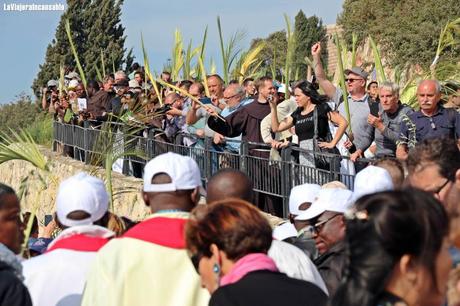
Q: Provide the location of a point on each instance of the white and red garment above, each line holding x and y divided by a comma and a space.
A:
58, 276
148, 265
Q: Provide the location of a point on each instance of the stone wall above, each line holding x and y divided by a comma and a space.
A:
42, 193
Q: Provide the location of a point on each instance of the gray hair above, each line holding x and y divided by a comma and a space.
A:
120, 74
393, 87
436, 84
238, 90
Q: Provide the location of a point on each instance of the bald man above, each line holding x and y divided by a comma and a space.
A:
431, 121
229, 183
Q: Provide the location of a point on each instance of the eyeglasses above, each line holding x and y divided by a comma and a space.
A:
195, 259
230, 97
352, 80
317, 227
437, 190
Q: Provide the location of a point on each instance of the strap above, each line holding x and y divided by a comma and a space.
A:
315, 128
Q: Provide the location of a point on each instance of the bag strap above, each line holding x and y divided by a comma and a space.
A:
315, 128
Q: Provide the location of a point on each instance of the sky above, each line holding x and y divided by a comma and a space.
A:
25, 35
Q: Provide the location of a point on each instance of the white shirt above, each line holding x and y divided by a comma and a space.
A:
58, 277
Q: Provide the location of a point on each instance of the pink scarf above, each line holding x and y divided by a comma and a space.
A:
247, 264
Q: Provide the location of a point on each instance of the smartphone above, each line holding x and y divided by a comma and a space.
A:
374, 109
48, 219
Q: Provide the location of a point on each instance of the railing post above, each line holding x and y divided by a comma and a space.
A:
244, 151
208, 156
86, 142
286, 178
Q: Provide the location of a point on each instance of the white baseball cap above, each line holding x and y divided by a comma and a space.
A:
301, 194
331, 199
370, 180
283, 231
81, 192
73, 84
134, 84
183, 170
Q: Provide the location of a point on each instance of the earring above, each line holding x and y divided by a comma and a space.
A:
216, 269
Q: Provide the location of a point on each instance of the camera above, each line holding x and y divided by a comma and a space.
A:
165, 108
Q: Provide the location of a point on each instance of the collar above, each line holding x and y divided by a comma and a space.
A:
10, 261
363, 98
85, 238
439, 111
166, 229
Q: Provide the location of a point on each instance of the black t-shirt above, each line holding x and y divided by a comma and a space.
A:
304, 126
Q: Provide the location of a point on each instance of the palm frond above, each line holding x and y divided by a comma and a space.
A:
342, 79
354, 39
75, 55
21, 146
203, 73
290, 53
177, 55
381, 77
148, 73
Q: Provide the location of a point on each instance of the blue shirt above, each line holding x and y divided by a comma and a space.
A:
230, 145
417, 127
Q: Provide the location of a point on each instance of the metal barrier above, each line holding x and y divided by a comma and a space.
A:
271, 178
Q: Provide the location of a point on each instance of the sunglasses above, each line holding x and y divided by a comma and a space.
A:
195, 259
352, 80
317, 227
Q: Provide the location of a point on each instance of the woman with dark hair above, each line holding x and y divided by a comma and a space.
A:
229, 241
398, 251
12, 290
311, 120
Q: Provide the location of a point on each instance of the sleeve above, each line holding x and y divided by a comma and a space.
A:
337, 96
404, 133
13, 292
265, 129
457, 125
232, 126
294, 116
395, 135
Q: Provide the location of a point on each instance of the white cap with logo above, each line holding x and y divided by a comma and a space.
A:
182, 170
331, 199
81, 192
302, 194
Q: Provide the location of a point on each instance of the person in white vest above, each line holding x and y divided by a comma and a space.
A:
58, 276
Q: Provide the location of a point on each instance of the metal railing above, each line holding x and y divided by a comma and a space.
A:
272, 178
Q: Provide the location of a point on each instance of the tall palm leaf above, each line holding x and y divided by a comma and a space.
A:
75, 55
290, 37
177, 55
230, 51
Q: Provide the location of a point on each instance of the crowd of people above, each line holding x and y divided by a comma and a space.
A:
393, 240
257, 111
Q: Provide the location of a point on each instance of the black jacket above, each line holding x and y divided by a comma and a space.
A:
330, 266
265, 288
12, 290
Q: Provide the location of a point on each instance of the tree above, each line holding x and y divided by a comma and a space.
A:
307, 31
407, 31
274, 53
105, 34
95, 26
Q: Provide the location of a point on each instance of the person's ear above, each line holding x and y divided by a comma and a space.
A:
408, 269
195, 195
146, 199
457, 179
